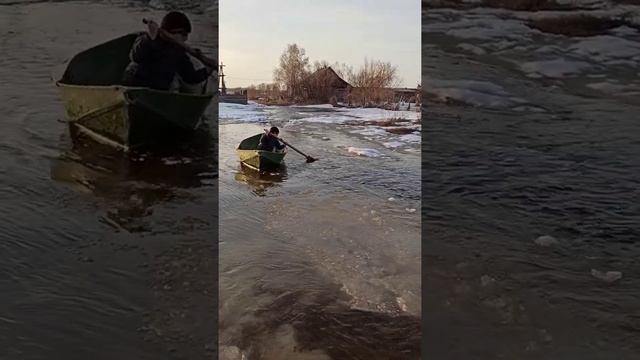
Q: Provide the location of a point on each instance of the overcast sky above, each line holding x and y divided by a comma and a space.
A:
253, 34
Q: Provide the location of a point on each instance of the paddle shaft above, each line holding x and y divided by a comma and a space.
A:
298, 151
204, 59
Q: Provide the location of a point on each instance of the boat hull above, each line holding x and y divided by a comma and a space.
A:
131, 117
261, 160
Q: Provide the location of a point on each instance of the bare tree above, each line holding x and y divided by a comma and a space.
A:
292, 70
372, 81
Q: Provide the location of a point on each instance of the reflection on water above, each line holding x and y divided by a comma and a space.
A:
135, 182
260, 181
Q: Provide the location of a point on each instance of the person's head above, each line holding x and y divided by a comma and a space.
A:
274, 130
177, 24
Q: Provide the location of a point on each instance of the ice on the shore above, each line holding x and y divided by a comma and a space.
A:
259, 113
343, 115
244, 113
364, 152
319, 106
608, 276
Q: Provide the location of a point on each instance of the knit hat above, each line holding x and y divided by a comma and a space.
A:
175, 20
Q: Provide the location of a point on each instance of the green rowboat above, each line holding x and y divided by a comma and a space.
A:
126, 117
259, 160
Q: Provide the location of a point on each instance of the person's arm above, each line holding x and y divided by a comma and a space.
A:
279, 146
262, 141
189, 74
143, 48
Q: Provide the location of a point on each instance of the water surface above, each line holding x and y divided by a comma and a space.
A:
102, 255
320, 260
520, 146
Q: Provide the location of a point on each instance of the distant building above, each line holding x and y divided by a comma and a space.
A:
325, 85
410, 95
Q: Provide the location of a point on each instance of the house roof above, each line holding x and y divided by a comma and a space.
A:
328, 71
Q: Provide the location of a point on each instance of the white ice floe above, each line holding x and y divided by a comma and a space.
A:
557, 68
393, 144
472, 48
529, 109
404, 140
411, 138
625, 31
483, 27
364, 152
546, 240
609, 276
486, 280
606, 48
473, 92
616, 88
370, 131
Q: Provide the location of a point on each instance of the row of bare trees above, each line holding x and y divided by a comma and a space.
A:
370, 82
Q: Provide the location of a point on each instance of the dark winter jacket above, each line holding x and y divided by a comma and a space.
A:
269, 143
154, 64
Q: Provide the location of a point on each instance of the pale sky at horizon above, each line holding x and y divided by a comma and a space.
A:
254, 33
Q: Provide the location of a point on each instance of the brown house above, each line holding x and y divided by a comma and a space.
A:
325, 85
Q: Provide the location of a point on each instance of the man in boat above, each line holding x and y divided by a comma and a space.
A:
162, 64
270, 141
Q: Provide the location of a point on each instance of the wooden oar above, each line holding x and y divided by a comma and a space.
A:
309, 158
198, 55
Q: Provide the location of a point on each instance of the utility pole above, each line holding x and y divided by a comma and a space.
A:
223, 87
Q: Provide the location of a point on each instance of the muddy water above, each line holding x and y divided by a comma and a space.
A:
101, 255
498, 175
315, 261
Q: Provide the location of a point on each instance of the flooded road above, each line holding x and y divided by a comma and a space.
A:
531, 185
320, 260
102, 255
